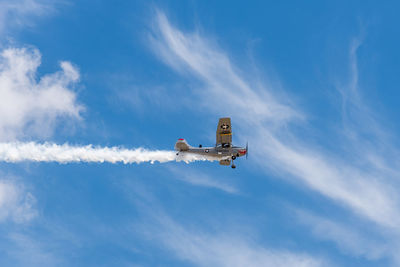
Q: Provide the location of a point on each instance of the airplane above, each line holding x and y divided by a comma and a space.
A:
223, 150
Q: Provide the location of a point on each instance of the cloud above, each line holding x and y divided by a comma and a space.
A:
29, 106
199, 240
16, 204
222, 249
20, 12
202, 246
368, 193
349, 238
203, 180
191, 53
24, 250
360, 173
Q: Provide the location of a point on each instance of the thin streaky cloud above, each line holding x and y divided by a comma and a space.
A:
181, 51
16, 204
348, 238
203, 180
20, 13
207, 249
204, 247
23, 250
369, 194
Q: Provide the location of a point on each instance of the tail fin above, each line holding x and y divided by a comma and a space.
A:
181, 145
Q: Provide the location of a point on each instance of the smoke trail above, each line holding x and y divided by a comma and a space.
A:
49, 152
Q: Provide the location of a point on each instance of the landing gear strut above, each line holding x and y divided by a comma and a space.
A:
233, 164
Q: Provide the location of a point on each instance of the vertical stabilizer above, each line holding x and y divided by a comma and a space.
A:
181, 145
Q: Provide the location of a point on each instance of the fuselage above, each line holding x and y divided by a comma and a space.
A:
219, 151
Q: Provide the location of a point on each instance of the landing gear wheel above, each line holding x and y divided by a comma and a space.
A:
233, 166
233, 157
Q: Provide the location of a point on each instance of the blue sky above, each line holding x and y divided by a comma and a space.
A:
313, 88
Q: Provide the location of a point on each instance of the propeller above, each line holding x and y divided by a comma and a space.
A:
247, 149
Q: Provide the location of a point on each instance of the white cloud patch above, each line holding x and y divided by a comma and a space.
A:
29, 106
16, 204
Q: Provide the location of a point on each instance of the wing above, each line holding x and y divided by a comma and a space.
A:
224, 131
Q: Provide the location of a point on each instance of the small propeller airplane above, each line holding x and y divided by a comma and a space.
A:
223, 150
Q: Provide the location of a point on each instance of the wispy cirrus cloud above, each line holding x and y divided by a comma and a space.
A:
203, 243
204, 248
203, 180
345, 176
18, 13
350, 238
16, 204
320, 170
22, 250
193, 54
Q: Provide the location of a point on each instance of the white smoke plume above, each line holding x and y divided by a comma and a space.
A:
50, 152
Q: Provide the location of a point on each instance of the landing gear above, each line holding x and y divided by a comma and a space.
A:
233, 164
